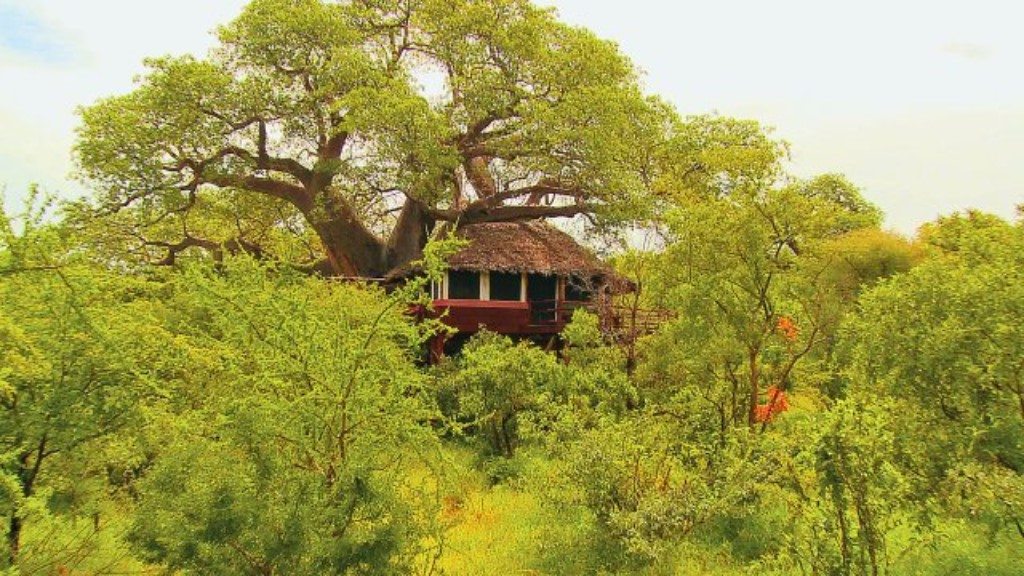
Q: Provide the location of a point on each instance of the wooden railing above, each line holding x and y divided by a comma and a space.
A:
629, 323
617, 322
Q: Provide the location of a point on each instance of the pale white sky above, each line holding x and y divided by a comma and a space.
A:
919, 102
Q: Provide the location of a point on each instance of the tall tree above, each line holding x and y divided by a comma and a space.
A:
945, 341
366, 122
744, 268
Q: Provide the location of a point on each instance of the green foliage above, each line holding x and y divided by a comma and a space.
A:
307, 125
81, 348
858, 259
496, 382
594, 380
965, 549
712, 157
650, 482
837, 474
827, 399
843, 203
240, 417
971, 233
945, 340
742, 273
296, 459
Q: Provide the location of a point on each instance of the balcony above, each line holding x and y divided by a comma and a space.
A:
503, 317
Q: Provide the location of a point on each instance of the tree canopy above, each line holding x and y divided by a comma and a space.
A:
364, 123
812, 395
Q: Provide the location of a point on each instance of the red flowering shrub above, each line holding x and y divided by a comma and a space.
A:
787, 328
777, 403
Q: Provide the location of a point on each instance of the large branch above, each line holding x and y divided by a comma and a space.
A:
235, 125
261, 159
289, 166
477, 128
510, 213
235, 246
479, 174
333, 147
296, 195
329, 150
293, 193
546, 187
515, 213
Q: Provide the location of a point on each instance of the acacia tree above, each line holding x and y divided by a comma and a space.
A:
80, 349
321, 114
745, 270
944, 341
300, 443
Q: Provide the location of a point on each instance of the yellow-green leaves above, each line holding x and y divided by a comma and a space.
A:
300, 437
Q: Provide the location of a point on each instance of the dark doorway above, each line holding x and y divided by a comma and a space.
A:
542, 294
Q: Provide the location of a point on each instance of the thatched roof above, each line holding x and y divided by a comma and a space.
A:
534, 246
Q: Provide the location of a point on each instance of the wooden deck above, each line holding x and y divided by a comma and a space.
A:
512, 318
618, 323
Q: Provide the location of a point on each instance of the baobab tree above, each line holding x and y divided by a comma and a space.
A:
361, 124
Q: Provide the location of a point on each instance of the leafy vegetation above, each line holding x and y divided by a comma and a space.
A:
182, 393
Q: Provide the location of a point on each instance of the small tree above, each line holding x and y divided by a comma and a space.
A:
744, 271
496, 382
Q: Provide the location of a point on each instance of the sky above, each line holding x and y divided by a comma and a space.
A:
920, 103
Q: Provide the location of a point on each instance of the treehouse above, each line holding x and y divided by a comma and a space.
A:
519, 279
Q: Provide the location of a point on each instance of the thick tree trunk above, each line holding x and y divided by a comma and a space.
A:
410, 234
352, 248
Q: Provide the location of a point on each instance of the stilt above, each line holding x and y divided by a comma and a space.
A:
437, 348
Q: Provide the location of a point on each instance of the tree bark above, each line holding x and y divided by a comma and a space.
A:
755, 381
479, 175
27, 477
352, 249
409, 235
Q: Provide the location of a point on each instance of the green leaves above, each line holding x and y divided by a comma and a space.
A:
297, 443
497, 382
710, 157
80, 348
316, 109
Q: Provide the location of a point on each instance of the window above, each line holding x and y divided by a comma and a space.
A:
506, 286
463, 285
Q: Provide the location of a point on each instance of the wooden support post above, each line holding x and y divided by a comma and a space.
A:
437, 348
